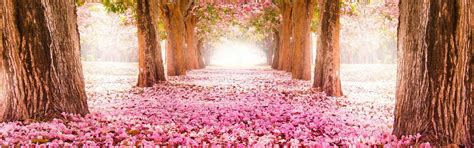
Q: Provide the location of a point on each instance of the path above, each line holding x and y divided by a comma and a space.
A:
217, 105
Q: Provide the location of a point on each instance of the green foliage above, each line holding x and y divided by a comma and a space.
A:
252, 22
266, 22
119, 6
316, 20
348, 7
208, 18
94, 8
126, 9
161, 29
80, 2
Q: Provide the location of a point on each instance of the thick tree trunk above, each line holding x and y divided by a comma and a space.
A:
301, 60
284, 60
433, 87
472, 71
276, 53
169, 56
326, 71
2, 71
151, 69
173, 13
40, 60
191, 43
175, 55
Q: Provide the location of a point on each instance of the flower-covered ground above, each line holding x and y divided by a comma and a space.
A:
221, 106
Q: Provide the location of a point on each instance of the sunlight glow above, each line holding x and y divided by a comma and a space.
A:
234, 53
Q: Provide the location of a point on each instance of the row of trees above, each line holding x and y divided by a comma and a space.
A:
434, 80
293, 53
42, 75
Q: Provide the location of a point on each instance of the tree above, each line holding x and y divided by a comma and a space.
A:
173, 14
276, 46
150, 61
301, 39
284, 55
433, 80
200, 46
326, 71
192, 52
293, 53
268, 44
40, 60
472, 73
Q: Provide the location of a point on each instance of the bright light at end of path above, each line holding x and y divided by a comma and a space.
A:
231, 53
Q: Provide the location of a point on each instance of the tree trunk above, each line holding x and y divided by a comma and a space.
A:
433, 88
207, 59
173, 13
301, 39
472, 71
268, 43
200, 49
2, 71
276, 53
284, 60
191, 43
170, 69
41, 60
150, 62
326, 71
206, 51
176, 56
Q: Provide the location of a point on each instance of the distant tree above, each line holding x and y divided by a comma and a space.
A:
276, 52
41, 67
434, 83
327, 69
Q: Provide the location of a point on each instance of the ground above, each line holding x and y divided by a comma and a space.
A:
221, 106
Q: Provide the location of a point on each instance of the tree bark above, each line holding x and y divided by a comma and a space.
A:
276, 53
169, 58
472, 71
150, 61
175, 55
284, 60
191, 42
433, 81
326, 71
2, 71
301, 39
173, 13
40, 58
200, 49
